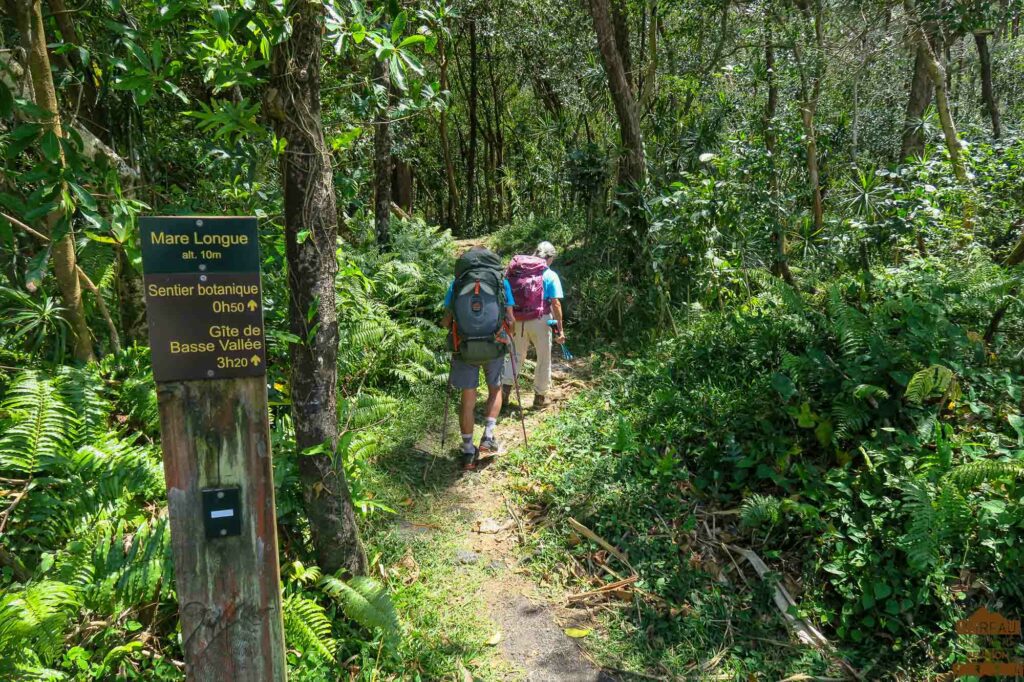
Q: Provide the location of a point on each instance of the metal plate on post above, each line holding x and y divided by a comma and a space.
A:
222, 512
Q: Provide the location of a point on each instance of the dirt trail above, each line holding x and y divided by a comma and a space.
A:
532, 628
530, 625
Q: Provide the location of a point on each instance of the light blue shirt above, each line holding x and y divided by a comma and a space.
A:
552, 285
509, 300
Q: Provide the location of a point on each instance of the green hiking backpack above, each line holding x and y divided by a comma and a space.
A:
478, 307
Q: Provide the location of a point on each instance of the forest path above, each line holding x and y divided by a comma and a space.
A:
530, 624
528, 620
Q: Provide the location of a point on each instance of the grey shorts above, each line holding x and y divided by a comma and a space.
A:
468, 376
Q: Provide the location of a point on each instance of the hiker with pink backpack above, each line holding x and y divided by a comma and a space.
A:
537, 291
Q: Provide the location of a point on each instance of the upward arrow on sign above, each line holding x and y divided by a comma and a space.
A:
253, 305
255, 359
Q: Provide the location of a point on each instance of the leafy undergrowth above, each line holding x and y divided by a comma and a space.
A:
862, 439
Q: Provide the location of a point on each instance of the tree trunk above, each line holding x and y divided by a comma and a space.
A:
810, 91
474, 124
987, 94
87, 96
780, 262
402, 184
917, 103
293, 102
620, 24
452, 202
382, 159
498, 138
631, 161
63, 249
938, 76
650, 84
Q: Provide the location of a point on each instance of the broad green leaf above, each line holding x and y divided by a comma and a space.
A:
84, 196
398, 26
50, 146
577, 633
221, 20
412, 40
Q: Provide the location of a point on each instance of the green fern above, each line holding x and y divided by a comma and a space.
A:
921, 538
933, 381
973, 474
34, 618
758, 510
365, 601
41, 426
307, 627
852, 326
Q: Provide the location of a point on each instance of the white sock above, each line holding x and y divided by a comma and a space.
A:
467, 442
489, 427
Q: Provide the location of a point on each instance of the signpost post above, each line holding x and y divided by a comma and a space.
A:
204, 304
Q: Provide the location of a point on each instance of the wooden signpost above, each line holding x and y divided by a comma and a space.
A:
204, 303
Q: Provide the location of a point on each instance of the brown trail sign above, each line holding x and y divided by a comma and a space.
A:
204, 303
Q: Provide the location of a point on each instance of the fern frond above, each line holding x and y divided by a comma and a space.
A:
365, 601
758, 510
936, 380
35, 617
40, 428
973, 474
865, 391
307, 627
920, 540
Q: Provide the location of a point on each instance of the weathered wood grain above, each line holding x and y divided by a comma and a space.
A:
216, 434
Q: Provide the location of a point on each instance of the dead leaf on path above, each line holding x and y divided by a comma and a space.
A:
577, 633
495, 638
408, 565
466, 677
408, 502
490, 526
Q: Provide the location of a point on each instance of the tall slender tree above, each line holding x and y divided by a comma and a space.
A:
58, 222
474, 123
632, 165
293, 103
382, 158
987, 92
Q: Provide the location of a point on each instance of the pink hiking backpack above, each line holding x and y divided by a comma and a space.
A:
525, 274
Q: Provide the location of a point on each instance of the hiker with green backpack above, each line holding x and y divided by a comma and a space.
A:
479, 306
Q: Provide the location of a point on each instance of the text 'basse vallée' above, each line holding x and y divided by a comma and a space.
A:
197, 238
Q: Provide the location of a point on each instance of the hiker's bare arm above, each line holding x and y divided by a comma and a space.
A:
446, 321
509, 315
556, 313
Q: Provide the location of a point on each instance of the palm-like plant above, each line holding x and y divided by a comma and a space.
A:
34, 322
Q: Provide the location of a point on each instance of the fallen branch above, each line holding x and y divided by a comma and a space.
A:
586, 532
101, 305
399, 212
618, 584
805, 632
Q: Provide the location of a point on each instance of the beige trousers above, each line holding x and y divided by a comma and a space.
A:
538, 333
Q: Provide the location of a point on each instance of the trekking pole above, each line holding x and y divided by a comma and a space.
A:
519, 398
447, 400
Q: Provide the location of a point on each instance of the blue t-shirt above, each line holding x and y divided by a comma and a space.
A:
552, 285
509, 300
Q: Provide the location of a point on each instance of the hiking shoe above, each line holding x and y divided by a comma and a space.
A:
488, 446
468, 459
539, 401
